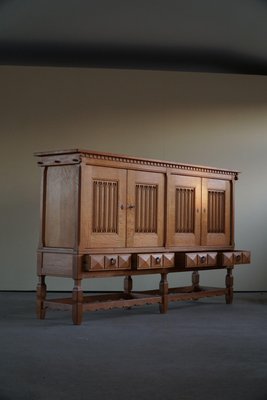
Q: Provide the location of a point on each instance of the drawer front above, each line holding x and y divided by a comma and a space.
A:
227, 258
156, 260
168, 260
111, 261
202, 260
124, 261
95, 263
212, 259
237, 256
100, 262
197, 260
246, 257
143, 261
230, 258
191, 260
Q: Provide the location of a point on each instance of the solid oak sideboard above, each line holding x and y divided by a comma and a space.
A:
106, 215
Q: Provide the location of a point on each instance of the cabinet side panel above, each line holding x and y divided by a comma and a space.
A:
61, 206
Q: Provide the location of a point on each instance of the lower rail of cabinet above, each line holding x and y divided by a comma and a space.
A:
80, 302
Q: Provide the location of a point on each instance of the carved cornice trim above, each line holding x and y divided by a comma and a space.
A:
163, 164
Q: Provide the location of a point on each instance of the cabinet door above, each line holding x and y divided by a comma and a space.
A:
103, 213
145, 209
183, 211
216, 212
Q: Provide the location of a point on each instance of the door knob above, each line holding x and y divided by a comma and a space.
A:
131, 206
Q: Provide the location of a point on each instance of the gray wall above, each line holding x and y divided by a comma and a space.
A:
209, 119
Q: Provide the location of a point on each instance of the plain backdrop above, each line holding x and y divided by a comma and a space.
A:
200, 118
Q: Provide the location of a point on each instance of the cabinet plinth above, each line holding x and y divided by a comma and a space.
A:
105, 215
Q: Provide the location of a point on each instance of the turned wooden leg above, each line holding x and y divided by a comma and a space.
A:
40, 297
163, 290
195, 281
77, 305
229, 280
128, 285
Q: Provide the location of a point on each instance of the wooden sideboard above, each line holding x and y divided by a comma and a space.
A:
106, 215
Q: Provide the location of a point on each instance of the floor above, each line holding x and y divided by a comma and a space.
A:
200, 350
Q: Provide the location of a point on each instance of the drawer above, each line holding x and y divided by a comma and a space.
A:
111, 261
94, 262
168, 260
196, 260
246, 257
229, 258
124, 261
100, 262
154, 260
143, 261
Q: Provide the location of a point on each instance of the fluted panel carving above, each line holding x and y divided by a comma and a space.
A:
105, 206
146, 208
185, 210
216, 211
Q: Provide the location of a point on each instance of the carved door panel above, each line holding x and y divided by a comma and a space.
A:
145, 209
103, 211
183, 211
216, 212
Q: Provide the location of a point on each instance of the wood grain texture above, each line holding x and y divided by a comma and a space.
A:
103, 207
145, 209
55, 264
61, 204
108, 215
183, 211
216, 212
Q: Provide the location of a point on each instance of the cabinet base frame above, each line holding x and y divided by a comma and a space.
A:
79, 303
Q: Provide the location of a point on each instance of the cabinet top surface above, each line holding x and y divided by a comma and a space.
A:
132, 159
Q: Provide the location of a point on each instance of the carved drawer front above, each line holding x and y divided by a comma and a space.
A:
212, 259
111, 261
246, 257
143, 261
95, 263
191, 260
202, 259
168, 260
196, 260
227, 258
230, 258
237, 256
124, 261
156, 260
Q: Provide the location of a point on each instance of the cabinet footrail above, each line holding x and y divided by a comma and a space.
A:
80, 302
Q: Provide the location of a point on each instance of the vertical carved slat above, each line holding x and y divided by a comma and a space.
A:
145, 208
105, 205
151, 207
142, 208
185, 210
109, 206
137, 207
216, 211
100, 208
105, 225
182, 209
115, 207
